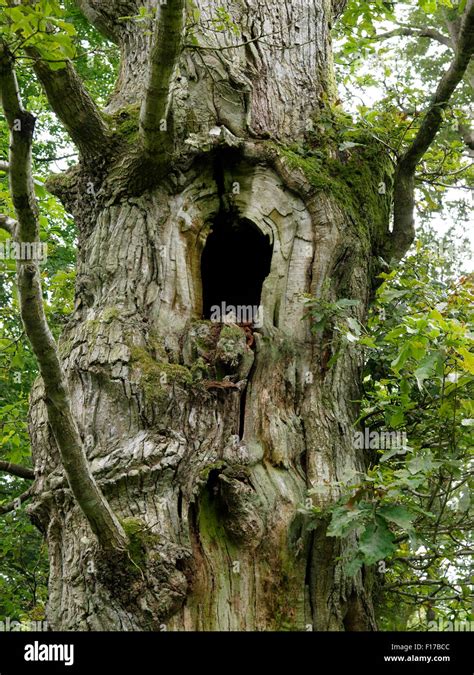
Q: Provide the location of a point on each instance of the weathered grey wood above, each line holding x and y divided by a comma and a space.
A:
225, 546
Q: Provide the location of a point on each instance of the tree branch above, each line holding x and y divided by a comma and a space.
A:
4, 166
467, 135
453, 25
404, 188
73, 105
17, 470
338, 6
165, 50
93, 504
105, 15
8, 224
413, 31
14, 505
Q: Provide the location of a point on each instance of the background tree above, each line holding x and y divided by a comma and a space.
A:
172, 453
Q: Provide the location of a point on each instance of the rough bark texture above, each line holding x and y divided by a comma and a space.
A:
204, 438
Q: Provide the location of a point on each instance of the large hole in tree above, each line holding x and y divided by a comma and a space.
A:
235, 261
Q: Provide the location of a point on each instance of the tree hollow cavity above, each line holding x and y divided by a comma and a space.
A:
234, 264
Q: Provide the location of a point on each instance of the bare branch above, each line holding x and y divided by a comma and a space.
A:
245, 43
73, 105
4, 166
48, 160
166, 47
413, 31
452, 24
404, 188
17, 470
16, 503
71, 102
95, 507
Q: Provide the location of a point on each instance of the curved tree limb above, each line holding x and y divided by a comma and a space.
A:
105, 15
16, 503
467, 135
166, 47
8, 224
404, 188
452, 24
73, 105
17, 470
93, 504
414, 31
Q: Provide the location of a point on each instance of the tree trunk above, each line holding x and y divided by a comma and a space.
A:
205, 436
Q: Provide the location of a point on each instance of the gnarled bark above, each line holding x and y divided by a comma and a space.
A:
205, 438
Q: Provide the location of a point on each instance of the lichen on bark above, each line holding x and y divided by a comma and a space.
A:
207, 438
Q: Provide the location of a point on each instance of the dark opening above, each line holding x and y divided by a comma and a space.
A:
235, 261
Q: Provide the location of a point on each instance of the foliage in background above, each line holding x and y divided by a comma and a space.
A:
390, 57
411, 510
23, 558
411, 514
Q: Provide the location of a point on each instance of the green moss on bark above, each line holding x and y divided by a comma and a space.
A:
156, 375
349, 164
283, 584
124, 123
231, 346
140, 539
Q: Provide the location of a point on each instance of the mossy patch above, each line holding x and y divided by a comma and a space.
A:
355, 183
65, 184
231, 346
211, 525
110, 313
125, 123
140, 540
157, 348
93, 327
203, 336
215, 466
216, 350
156, 375
283, 585
350, 164
231, 332
200, 370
